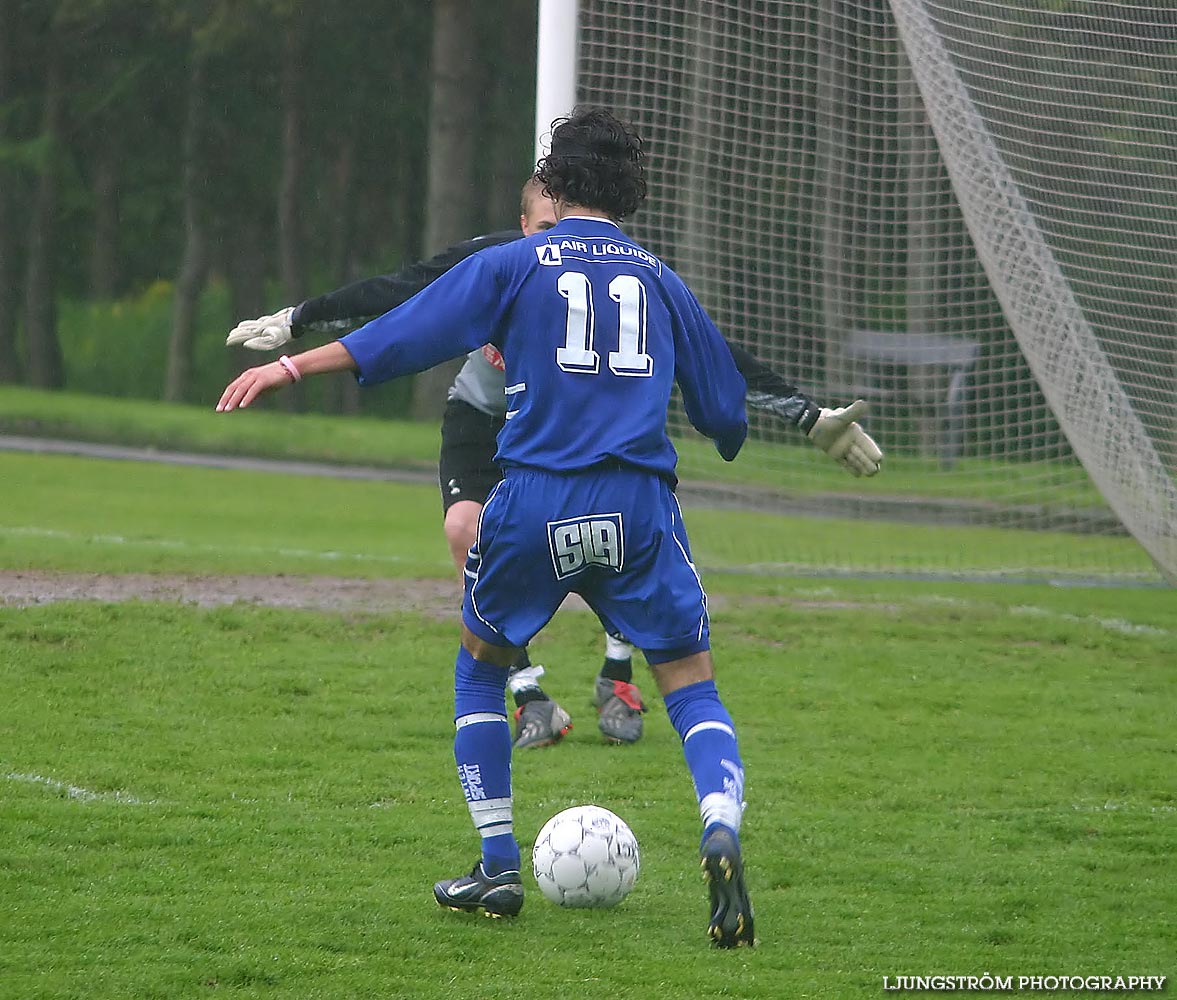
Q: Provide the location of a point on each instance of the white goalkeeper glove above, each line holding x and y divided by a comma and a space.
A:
838, 434
266, 333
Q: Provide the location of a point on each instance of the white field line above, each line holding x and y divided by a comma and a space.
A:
994, 574
123, 798
76, 792
1118, 625
1109, 624
1124, 807
181, 546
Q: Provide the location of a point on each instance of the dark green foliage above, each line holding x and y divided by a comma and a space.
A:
364, 93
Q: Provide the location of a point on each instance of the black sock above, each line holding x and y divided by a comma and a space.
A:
530, 694
618, 670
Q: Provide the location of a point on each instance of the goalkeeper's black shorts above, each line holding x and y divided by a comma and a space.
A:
465, 468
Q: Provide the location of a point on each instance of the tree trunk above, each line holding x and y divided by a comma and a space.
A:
194, 267
917, 151
341, 394
245, 268
836, 194
918, 159
104, 244
45, 366
9, 364
509, 116
341, 236
702, 216
292, 257
451, 196
290, 236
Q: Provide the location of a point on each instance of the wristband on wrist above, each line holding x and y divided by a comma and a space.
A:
291, 368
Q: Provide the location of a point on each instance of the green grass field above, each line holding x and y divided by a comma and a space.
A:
270, 432
184, 519
942, 777
767, 541
256, 802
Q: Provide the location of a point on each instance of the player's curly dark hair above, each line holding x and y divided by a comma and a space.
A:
596, 161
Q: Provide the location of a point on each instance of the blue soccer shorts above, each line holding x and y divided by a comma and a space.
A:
613, 536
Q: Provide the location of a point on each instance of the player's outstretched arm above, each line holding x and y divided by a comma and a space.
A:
839, 435
773, 393
255, 382
351, 306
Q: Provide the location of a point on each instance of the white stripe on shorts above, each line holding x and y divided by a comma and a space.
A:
694, 570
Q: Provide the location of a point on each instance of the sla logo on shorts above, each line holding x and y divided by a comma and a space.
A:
592, 540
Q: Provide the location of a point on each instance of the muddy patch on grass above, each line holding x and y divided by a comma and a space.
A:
318, 593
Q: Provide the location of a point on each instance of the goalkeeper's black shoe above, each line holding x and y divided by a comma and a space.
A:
540, 724
620, 707
490, 895
730, 925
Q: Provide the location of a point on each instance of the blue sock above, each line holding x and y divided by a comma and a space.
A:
482, 750
712, 754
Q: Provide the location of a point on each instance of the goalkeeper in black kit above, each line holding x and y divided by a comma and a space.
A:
474, 415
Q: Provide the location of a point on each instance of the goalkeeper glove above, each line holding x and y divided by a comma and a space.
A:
837, 433
266, 333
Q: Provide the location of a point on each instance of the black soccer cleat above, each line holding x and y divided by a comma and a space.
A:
620, 707
540, 724
491, 895
730, 925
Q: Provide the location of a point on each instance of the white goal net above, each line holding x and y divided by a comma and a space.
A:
963, 211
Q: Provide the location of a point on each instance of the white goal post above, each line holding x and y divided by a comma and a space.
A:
555, 66
963, 210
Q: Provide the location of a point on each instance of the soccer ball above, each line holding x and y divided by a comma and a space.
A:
585, 857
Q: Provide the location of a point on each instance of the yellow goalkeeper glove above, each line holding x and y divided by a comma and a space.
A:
838, 434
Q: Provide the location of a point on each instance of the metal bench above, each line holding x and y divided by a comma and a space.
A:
923, 374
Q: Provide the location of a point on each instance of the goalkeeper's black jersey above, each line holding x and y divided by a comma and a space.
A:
351, 306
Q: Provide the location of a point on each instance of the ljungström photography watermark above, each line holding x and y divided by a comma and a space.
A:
989, 983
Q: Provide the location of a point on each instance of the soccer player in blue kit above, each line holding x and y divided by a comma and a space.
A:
475, 413
594, 331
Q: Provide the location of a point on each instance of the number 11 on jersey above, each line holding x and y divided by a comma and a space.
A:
577, 354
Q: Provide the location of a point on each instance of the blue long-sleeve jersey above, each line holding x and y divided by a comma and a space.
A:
594, 331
